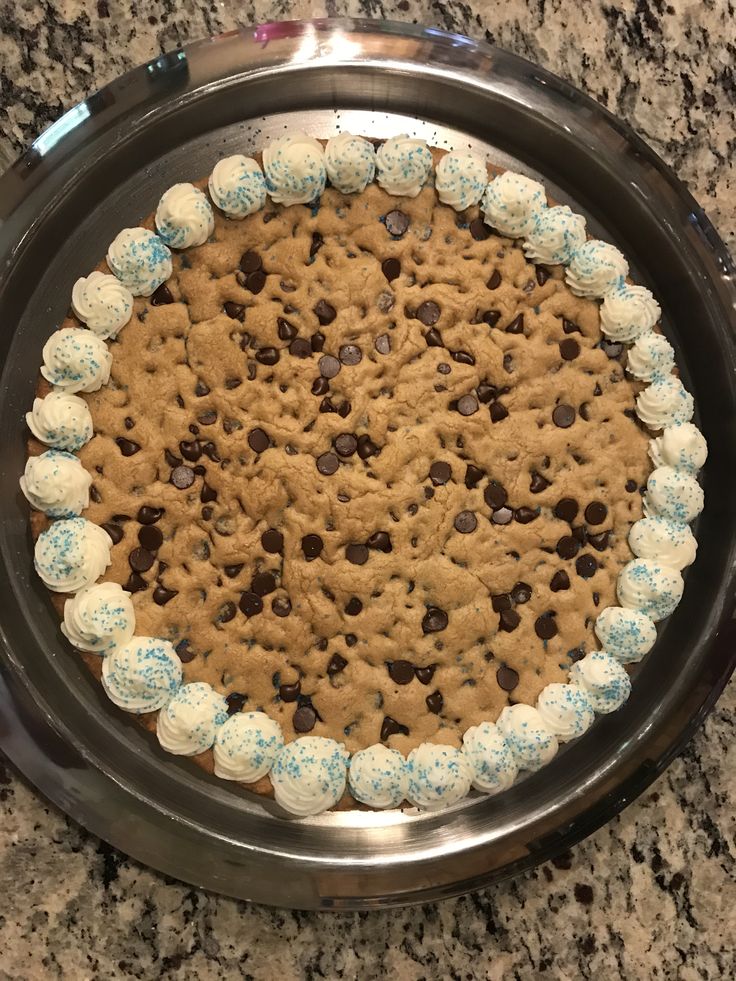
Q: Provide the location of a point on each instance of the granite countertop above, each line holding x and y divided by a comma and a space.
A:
651, 895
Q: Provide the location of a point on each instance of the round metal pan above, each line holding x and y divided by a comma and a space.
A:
103, 166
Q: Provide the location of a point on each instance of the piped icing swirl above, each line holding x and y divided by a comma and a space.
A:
350, 162
309, 775
103, 303
237, 186
650, 586
491, 760
184, 217
596, 268
294, 167
651, 356
460, 179
71, 554
76, 360
626, 634
665, 402
56, 483
99, 618
188, 723
438, 776
565, 710
671, 542
61, 420
628, 312
141, 675
403, 165
246, 746
378, 776
673, 494
527, 735
510, 202
140, 260
554, 235
682, 446
603, 679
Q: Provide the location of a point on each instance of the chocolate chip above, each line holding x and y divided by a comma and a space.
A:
440, 472
495, 495
495, 281
191, 451
226, 612
501, 602
305, 719
462, 357
182, 477
200, 389
586, 566
380, 540
317, 340
300, 348
569, 349
317, 243
210, 450
272, 541
250, 262
631, 486
596, 513
473, 475
612, 349
498, 411
114, 531
285, 330
467, 405
258, 440
580, 533
350, 354
560, 580
428, 313
290, 692
135, 584
563, 416
433, 338
95, 494
517, 325
542, 275
320, 386
324, 312
366, 447
584, 411
281, 606
255, 281
346, 444
479, 230
231, 571
524, 515
126, 446
268, 356
521, 592
434, 620
491, 317
234, 310
263, 583
425, 675
597, 390
538, 483
336, 665
599, 541
140, 560
567, 547
566, 509
465, 522
150, 537
353, 606
401, 672
235, 702
351, 640
502, 516
391, 269
508, 620
569, 327
128, 422
327, 464
343, 410
396, 223
507, 678
383, 344
207, 418
357, 554
250, 604
184, 651
486, 392
545, 627
329, 366
391, 727
312, 546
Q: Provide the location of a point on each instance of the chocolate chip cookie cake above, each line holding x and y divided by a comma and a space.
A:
362, 470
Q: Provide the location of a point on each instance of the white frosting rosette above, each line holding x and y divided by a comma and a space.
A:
309, 775
665, 402
99, 618
528, 737
237, 186
76, 360
404, 164
493, 764
682, 446
294, 166
651, 356
625, 633
460, 179
188, 723
671, 542
674, 494
141, 675
603, 679
565, 710
628, 312
510, 201
246, 746
184, 217
350, 162
71, 554
438, 776
650, 586
554, 235
56, 483
595, 269
61, 420
378, 776
103, 303
140, 260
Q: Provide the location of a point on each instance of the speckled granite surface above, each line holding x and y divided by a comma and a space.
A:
652, 895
